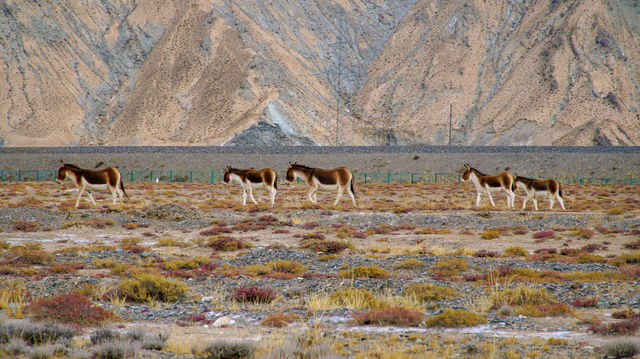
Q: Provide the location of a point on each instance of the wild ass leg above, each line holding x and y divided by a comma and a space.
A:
551, 202
513, 199
353, 197
114, 193
478, 199
311, 193
340, 189
560, 200
251, 193
491, 197
80, 192
524, 201
120, 192
272, 191
535, 202
244, 194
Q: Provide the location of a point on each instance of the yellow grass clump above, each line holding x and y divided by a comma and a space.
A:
411, 263
371, 271
452, 318
152, 286
448, 267
516, 251
426, 292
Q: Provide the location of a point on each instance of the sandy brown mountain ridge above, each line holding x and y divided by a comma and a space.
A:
162, 72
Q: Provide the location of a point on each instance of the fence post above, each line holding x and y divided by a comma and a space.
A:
365, 178
388, 177
19, 176
435, 178
131, 175
412, 178
459, 176
190, 176
1, 175
150, 176
211, 177
37, 175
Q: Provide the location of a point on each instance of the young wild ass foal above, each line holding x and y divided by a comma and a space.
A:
534, 187
338, 178
250, 178
503, 181
106, 178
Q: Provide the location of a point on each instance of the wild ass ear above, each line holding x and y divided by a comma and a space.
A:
467, 167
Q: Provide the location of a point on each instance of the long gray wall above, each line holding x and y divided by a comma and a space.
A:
609, 162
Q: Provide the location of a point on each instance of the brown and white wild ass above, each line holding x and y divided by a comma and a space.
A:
102, 179
252, 177
534, 187
503, 181
338, 178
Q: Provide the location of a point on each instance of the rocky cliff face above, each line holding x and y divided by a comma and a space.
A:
376, 72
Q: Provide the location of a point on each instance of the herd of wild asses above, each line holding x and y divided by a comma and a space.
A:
340, 178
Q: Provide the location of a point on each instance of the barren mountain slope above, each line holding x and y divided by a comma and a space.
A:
533, 72
213, 72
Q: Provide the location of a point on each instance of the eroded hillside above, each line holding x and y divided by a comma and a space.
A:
263, 72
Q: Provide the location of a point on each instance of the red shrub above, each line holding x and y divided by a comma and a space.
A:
389, 316
588, 302
546, 250
631, 271
226, 243
544, 234
381, 229
624, 327
216, 230
25, 226
325, 246
269, 219
632, 245
590, 248
485, 253
69, 308
625, 314
281, 231
359, 234
571, 252
197, 318
253, 294
310, 225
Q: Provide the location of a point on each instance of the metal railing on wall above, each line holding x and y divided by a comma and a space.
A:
217, 176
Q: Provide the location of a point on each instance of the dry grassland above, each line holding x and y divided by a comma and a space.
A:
184, 270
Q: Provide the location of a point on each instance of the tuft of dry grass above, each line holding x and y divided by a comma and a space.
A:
371, 271
452, 318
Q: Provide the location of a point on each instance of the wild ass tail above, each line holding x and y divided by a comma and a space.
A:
122, 187
352, 191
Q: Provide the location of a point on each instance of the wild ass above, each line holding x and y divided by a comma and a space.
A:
102, 179
534, 187
250, 178
503, 181
338, 178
